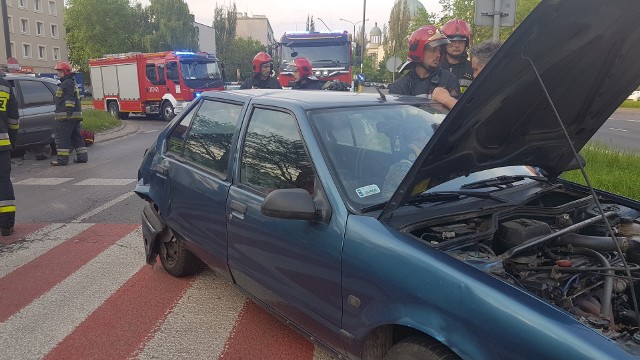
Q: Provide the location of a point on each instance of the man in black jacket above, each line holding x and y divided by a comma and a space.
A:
456, 59
303, 75
262, 69
425, 51
69, 118
8, 134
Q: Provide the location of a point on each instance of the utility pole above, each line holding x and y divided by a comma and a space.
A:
364, 15
325, 25
5, 28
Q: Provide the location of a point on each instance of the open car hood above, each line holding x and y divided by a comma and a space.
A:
586, 53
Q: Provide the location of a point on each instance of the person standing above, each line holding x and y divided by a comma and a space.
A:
69, 118
456, 60
8, 136
303, 75
425, 74
262, 69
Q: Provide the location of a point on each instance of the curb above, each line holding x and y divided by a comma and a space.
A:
123, 130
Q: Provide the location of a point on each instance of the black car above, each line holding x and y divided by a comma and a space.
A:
37, 123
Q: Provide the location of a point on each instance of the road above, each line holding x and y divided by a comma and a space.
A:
74, 285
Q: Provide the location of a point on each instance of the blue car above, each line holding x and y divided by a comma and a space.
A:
383, 227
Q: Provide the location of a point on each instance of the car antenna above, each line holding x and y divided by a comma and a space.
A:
593, 193
384, 98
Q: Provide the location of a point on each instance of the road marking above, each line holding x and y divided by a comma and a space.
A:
43, 181
95, 181
102, 207
618, 129
627, 120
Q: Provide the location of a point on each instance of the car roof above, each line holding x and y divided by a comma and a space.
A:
29, 77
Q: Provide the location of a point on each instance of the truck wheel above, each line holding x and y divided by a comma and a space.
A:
113, 109
420, 348
123, 115
175, 258
167, 112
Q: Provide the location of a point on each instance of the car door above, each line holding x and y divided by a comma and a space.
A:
293, 266
198, 172
37, 110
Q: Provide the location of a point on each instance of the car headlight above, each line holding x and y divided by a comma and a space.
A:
318, 72
325, 73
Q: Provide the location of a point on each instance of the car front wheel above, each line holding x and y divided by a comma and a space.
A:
167, 111
420, 348
175, 258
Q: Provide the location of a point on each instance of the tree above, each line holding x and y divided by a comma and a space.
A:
398, 30
311, 25
421, 18
240, 58
172, 27
95, 28
225, 20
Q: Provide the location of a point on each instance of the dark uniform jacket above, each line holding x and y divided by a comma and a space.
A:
412, 84
67, 100
8, 116
307, 84
463, 71
257, 82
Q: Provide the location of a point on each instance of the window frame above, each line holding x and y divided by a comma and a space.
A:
36, 8
53, 53
25, 56
38, 33
28, 27
10, 20
54, 34
53, 11
24, 5
44, 52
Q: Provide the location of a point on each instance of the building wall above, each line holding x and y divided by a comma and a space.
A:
206, 38
31, 23
256, 27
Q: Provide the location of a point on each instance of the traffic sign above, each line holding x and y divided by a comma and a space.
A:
394, 63
12, 64
361, 77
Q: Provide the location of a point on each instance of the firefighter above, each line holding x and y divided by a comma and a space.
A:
456, 60
8, 135
423, 62
262, 70
69, 115
303, 75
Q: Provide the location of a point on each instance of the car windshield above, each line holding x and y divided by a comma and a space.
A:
320, 56
193, 70
371, 148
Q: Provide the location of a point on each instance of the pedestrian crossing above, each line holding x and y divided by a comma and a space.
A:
73, 181
83, 291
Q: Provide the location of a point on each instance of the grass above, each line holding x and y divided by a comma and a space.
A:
86, 101
97, 121
630, 104
610, 170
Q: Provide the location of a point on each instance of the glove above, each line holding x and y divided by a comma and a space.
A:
336, 85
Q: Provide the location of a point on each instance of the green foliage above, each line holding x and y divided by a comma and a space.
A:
171, 26
311, 25
240, 58
631, 104
422, 18
224, 23
397, 30
97, 120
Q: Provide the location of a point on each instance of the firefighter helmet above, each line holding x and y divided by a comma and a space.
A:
64, 67
419, 39
457, 29
304, 67
260, 59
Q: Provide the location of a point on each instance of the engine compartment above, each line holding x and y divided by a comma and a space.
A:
558, 248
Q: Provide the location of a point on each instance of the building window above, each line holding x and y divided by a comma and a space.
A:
10, 18
22, 4
26, 51
9, 3
54, 31
53, 10
24, 26
37, 6
13, 49
55, 51
42, 52
39, 28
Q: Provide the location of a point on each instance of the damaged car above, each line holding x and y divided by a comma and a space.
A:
383, 227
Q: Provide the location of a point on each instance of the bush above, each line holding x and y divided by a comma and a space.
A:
630, 104
97, 121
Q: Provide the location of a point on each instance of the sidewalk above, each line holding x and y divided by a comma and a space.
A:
127, 128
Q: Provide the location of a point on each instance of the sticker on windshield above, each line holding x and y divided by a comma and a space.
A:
368, 190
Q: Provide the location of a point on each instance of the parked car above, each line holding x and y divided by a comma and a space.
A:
329, 210
635, 96
37, 122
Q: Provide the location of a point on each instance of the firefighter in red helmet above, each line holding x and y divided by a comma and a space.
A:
425, 50
456, 60
303, 75
69, 118
262, 70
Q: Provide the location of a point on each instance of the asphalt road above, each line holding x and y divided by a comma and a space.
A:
622, 130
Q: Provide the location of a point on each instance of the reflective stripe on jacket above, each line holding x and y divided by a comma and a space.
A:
67, 100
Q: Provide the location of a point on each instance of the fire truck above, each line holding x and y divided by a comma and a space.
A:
329, 53
155, 84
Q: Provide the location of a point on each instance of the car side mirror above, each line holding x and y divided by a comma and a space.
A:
575, 165
294, 204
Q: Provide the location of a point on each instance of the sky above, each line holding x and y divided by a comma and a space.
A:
291, 15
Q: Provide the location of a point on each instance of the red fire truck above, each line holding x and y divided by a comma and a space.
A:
155, 84
329, 53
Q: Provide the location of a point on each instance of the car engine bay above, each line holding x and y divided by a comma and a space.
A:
558, 248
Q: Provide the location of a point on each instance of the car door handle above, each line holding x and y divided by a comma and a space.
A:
237, 209
162, 170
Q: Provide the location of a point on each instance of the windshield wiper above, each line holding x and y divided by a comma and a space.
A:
501, 180
437, 197
373, 207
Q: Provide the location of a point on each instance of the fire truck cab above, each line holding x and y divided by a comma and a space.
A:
155, 84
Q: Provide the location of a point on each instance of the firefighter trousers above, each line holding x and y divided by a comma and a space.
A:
68, 137
7, 199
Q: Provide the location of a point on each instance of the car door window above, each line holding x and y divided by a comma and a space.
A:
175, 141
35, 93
274, 156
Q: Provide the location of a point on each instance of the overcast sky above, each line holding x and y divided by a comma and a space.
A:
288, 15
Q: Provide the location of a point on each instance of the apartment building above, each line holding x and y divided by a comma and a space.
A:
36, 34
256, 27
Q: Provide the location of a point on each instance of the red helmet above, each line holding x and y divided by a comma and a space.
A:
304, 66
64, 67
457, 29
260, 59
419, 39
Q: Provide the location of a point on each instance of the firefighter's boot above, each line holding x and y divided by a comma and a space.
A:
6, 231
81, 155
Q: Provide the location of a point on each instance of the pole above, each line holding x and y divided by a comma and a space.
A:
5, 28
364, 19
325, 25
497, 13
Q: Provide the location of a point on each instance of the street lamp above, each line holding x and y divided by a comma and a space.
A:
325, 25
354, 26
